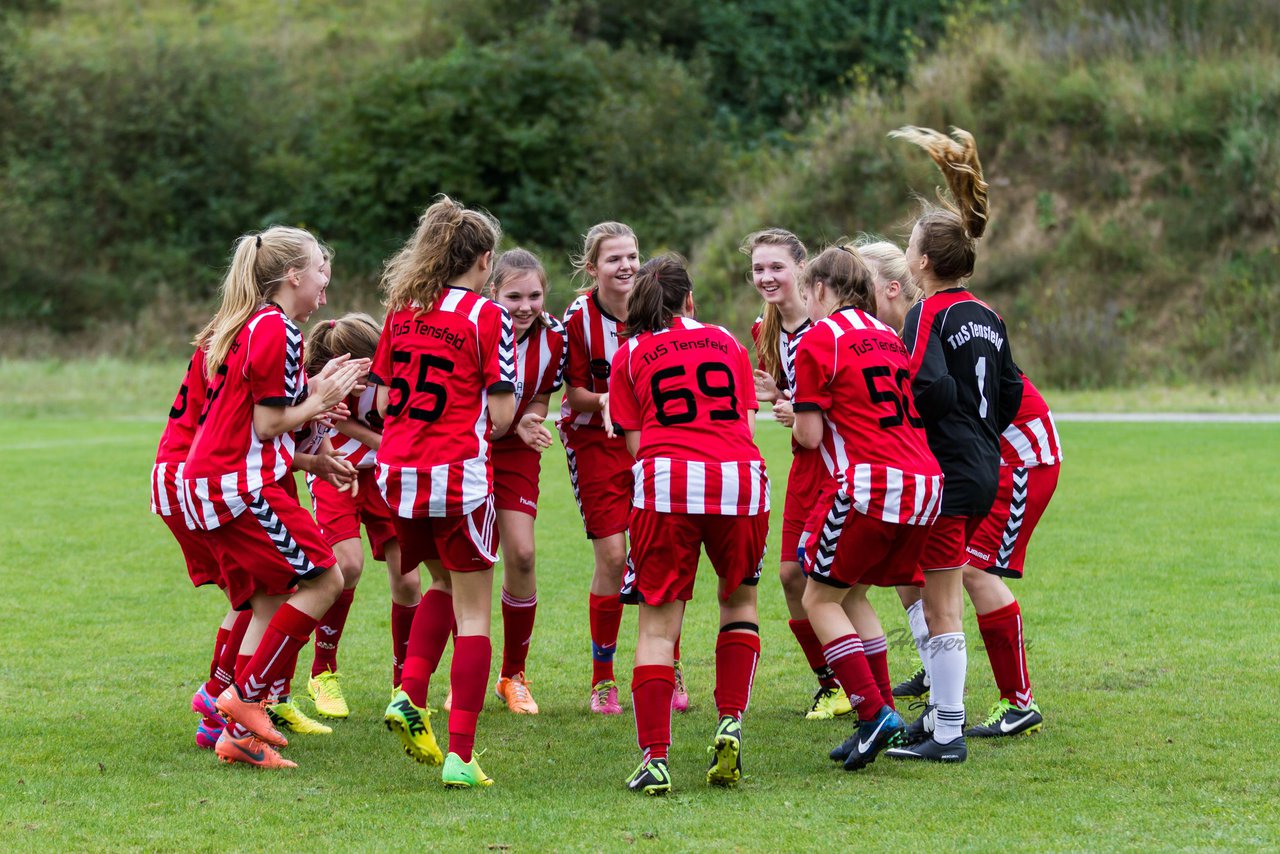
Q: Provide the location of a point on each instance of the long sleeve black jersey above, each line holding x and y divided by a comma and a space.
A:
967, 389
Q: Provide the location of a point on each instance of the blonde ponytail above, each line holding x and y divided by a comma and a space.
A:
448, 240
259, 265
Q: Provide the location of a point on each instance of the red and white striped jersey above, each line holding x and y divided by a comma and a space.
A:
1032, 438
854, 369
787, 344
441, 365
540, 359
592, 336
184, 417
228, 463
687, 390
364, 412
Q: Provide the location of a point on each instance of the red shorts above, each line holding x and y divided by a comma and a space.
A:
845, 547
516, 467
665, 548
600, 471
461, 543
270, 547
1000, 544
339, 515
805, 481
947, 541
202, 566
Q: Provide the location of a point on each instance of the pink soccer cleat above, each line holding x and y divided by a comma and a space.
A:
604, 698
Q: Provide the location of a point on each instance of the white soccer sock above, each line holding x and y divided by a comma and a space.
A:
920, 631
949, 661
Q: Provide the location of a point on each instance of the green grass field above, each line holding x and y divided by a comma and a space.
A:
1150, 608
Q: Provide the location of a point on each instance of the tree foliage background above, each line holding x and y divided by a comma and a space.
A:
1131, 147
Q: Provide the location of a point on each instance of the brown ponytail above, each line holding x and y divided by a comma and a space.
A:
659, 292
447, 242
949, 235
843, 272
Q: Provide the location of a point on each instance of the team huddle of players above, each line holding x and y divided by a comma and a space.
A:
922, 459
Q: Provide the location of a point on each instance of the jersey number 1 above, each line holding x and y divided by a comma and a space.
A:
980, 370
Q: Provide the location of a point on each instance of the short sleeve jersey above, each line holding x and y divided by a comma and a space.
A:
1032, 438
228, 464
688, 389
364, 412
853, 369
967, 388
540, 360
175, 441
440, 366
592, 337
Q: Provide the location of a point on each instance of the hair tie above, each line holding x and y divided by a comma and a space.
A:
332, 323
259, 241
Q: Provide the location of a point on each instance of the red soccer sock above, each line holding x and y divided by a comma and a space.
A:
219, 646
329, 633
472, 656
432, 625
401, 626
877, 653
517, 631
606, 618
225, 673
1002, 635
272, 665
812, 649
846, 658
736, 656
651, 688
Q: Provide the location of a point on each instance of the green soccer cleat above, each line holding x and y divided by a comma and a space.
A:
828, 703
287, 716
413, 725
726, 753
650, 777
463, 775
1007, 719
326, 692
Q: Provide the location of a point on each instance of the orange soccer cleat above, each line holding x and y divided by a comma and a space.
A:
250, 750
251, 716
514, 690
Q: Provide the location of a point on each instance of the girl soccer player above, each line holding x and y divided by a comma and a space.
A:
852, 402
967, 389
340, 514
777, 262
684, 396
520, 286
272, 557
168, 502
446, 372
998, 548
595, 323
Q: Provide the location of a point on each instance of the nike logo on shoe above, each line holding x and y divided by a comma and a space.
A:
253, 756
863, 746
1006, 727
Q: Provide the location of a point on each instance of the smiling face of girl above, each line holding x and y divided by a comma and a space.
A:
774, 273
523, 296
615, 266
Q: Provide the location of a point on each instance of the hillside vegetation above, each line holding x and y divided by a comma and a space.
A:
1131, 148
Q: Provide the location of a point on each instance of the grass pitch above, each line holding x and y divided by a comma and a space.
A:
1150, 605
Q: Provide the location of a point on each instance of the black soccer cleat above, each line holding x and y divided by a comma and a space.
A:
651, 777
915, 687
1007, 719
860, 749
931, 751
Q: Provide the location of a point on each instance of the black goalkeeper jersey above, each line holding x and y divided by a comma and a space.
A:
967, 389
